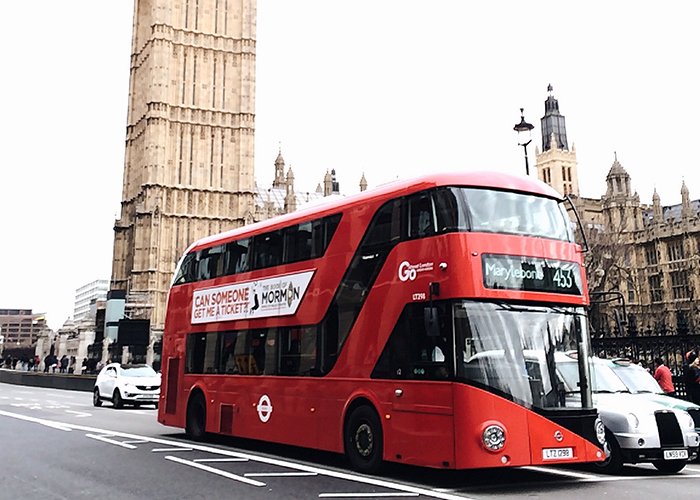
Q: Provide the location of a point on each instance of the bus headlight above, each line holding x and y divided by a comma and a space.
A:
599, 430
633, 421
493, 437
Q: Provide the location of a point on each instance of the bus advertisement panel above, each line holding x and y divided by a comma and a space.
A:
415, 323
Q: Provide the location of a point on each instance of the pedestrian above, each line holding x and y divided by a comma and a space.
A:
71, 365
663, 376
691, 376
63, 366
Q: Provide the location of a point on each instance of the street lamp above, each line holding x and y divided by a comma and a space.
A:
524, 130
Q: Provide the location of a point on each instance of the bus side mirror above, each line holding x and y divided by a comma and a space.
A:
430, 321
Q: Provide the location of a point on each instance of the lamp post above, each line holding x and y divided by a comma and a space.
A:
524, 130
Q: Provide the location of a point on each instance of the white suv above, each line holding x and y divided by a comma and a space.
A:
127, 384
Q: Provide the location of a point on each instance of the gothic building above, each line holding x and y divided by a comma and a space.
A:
282, 197
647, 256
189, 160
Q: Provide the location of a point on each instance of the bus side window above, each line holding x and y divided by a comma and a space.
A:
421, 222
267, 250
238, 256
323, 231
186, 274
386, 226
451, 210
298, 242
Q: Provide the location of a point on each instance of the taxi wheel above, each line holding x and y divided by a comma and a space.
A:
670, 467
613, 456
363, 440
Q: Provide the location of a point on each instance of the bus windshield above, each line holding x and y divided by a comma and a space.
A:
492, 211
511, 349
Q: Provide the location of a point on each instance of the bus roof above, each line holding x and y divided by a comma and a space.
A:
334, 204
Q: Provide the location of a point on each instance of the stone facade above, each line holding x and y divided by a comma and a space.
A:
646, 257
189, 162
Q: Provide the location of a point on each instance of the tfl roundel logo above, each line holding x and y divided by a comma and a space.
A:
406, 271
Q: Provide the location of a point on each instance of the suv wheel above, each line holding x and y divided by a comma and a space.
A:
96, 400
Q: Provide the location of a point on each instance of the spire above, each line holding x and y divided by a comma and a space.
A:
279, 171
327, 183
363, 183
685, 201
290, 200
618, 180
554, 123
335, 184
658, 212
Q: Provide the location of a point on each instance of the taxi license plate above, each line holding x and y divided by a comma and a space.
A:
675, 454
558, 453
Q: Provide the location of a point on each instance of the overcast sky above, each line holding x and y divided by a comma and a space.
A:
391, 88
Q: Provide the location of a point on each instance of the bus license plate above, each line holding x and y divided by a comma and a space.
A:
675, 454
557, 453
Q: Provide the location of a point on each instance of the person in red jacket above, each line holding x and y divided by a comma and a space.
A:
663, 376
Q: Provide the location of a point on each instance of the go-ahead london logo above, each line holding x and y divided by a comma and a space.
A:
408, 271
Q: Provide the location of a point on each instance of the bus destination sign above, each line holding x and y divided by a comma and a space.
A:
531, 274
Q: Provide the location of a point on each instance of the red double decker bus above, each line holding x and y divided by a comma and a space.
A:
415, 323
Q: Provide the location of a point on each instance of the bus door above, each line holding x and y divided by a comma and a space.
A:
419, 359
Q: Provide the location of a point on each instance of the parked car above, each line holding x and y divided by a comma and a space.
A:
127, 384
638, 429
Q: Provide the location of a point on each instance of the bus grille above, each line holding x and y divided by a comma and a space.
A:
695, 413
669, 430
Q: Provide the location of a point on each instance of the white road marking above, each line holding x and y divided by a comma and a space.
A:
561, 472
280, 474
136, 441
111, 441
259, 459
218, 472
56, 425
639, 478
220, 460
366, 495
79, 414
161, 450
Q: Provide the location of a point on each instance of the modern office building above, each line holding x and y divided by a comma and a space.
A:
21, 327
89, 294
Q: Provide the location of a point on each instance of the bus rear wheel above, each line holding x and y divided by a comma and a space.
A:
195, 426
363, 440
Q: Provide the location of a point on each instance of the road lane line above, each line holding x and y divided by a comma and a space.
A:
136, 441
641, 478
218, 472
57, 425
79, 414
348, 476
560, 472
366, 495
280, 474
111, 441
221, 460
166, 450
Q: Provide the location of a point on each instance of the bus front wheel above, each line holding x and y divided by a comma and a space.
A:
195, 426
364, 440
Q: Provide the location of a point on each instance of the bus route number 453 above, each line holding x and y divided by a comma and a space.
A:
563, 278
